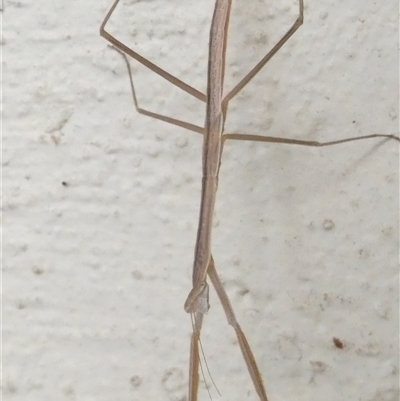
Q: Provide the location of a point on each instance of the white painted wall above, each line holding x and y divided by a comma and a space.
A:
96, 272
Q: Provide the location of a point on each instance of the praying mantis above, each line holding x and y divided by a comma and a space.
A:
214, 137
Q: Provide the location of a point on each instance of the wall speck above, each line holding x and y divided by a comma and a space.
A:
135, 381
393, 114
174, 382
338, 343
21, 305
68, 389
328, 225
181, 142
137, 275
37, 270
57, 123
318, 367
10, 388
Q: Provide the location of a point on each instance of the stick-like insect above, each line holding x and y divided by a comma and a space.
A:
197, 303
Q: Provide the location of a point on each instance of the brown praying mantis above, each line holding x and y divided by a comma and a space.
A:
214, 137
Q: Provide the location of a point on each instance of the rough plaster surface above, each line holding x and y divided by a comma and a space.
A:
101, 203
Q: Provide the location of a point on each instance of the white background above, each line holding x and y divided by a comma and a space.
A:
306, 240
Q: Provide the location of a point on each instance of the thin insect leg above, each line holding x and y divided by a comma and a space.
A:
296, 25
195, 361
197, 321
182, 85
159, 71
157, 116
124, 50
300, 142
243, 343
235, 136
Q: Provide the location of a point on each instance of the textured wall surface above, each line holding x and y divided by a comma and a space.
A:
101, 203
